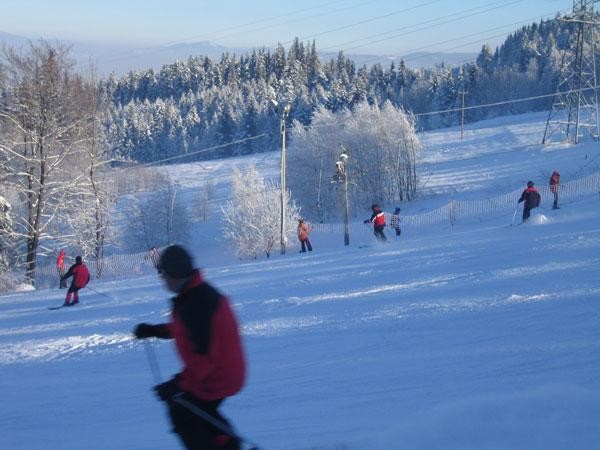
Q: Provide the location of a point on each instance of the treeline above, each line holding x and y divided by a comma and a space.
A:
199, 107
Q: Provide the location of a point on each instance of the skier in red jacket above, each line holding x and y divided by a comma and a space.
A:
207, 339
81, 277
61, 268
378, 221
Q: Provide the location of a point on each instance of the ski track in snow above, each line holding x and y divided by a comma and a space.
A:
65, 347
482, 336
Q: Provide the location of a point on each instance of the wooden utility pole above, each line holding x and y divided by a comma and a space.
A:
284, 114
462, 114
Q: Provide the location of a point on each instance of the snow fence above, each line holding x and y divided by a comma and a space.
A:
463, 212
454, 213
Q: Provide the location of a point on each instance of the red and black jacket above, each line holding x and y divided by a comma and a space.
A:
208, 341
377, 218
80, 274
531, 196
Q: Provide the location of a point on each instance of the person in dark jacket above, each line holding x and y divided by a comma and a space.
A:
532, 199
81, 277
378, 221
154, 256
554, 186
208, 341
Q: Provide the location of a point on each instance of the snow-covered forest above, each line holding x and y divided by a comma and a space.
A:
197, 106
65, 138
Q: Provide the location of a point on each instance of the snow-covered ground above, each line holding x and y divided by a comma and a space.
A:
479, 337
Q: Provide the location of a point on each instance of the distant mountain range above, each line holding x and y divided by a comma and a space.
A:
120, 59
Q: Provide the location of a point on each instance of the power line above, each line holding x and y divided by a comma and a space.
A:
371, 19
211, 35
254, 22
506, 102
321, 15
310, 127
435, 21
484, 38
204, 150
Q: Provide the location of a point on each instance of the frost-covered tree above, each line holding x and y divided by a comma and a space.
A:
157, 218
6, 234
92, 200
383, 148
43, 125
205, 195
231, 97
252, 219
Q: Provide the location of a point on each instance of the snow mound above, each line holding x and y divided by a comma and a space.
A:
24, 287
538, 219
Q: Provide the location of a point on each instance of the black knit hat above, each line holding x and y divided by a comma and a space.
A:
176, 262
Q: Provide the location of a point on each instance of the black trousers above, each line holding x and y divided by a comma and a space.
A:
379, 234
305, 244
526, 213
195, 432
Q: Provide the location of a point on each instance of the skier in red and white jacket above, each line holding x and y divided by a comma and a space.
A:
207, 339
378, 221
81, 277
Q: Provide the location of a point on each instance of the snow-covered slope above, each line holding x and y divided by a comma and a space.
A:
483, 336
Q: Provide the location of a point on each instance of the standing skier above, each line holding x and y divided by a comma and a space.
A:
207, 339
532, 199
81, 277
378, 221
303, 230
395, 221
154, 256
554, 186
60, 268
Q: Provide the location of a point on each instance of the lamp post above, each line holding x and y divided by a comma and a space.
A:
341, 176
284, 114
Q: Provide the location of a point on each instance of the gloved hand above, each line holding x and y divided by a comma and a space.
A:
167, 390
144, 330
366, 221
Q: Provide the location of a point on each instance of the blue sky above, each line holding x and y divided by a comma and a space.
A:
355, 26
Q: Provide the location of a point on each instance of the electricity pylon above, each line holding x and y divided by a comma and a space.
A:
574, 110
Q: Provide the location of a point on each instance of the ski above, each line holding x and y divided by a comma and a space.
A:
60, 306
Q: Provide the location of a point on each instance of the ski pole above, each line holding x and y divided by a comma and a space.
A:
514, 215
98, 292
219, 425
178, 398
153, 362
